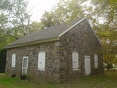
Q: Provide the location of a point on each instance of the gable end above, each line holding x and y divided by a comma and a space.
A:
94, 33
71, 27
77, 24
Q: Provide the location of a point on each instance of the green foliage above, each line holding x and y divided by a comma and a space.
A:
107, 31
14, 21
5, 39
108, 38
36, 26
2, 60
15, 13
65, 11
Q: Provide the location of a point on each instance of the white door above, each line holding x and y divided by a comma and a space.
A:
87, 64
75, 61
24, 65
41, 61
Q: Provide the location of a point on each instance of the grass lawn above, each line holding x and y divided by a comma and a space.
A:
108, 80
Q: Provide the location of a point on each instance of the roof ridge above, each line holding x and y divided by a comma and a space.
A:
45, 34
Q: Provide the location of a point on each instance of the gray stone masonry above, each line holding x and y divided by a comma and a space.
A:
51, 73
81, 39
58, 65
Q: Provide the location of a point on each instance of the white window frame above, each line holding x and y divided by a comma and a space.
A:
75, 61
13, 60
95, 61
41, 60
24, 67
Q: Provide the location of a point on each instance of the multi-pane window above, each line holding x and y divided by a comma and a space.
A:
41, 61
24, 65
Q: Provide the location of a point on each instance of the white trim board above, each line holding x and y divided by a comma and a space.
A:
77, 24
71, 27
94, 33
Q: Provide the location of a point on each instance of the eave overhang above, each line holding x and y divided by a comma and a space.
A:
33, 43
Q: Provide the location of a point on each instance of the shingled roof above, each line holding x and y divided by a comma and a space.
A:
46, 35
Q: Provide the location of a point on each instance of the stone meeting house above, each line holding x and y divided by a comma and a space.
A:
56, 54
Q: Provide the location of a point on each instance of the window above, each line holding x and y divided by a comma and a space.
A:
41, 61
13, 63
95, 60
24, 65
75, 61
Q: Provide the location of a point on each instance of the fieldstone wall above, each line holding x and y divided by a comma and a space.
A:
52, 65
58, 66
82, 40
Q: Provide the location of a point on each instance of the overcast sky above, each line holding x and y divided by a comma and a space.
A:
38, 7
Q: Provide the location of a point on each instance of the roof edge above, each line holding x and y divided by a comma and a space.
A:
33, 42
71, 27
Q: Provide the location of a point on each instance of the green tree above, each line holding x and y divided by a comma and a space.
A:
14, 20
108, 38
65, 11
36, 26
106, 10
13, 14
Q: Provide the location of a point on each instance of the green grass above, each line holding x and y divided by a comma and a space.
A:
108, 80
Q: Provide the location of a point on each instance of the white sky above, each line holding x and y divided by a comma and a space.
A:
38, 7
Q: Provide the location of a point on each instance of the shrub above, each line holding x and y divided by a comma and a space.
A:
23, 77
13, 75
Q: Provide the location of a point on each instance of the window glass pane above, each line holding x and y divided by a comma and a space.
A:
24, 65
25, 62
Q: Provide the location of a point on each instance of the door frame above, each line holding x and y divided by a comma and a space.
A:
87, 69
26, 68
